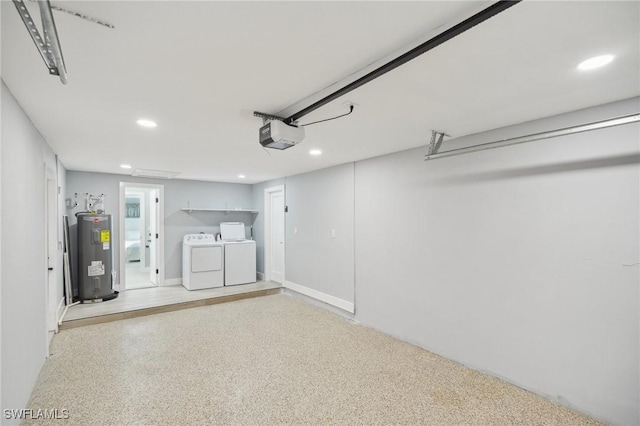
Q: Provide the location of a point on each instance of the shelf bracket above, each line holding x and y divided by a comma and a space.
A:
436, 141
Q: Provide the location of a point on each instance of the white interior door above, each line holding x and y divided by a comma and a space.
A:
276, 229
153, 235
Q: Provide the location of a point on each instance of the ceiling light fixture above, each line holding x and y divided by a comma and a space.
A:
241, 176
146, 123
315, 152
125, 166
595, 62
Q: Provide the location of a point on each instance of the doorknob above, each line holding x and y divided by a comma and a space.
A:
50, 268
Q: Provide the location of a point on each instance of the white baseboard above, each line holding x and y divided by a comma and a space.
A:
260, 276
60, 311
172, 281
326, 298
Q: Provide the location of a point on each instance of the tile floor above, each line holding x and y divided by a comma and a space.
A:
264, 361
132, 300
136, 276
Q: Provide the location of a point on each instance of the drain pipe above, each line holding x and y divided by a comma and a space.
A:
65, 312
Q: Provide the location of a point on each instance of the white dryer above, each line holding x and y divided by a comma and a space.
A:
202, 262
239, 254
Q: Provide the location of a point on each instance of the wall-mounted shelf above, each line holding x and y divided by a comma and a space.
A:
225, 211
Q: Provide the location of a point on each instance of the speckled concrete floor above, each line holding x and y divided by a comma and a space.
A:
269, 360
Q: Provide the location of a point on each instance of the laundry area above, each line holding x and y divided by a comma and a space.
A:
341, 212
205, 259
228, 258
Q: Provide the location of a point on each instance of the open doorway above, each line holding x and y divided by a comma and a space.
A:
140, 235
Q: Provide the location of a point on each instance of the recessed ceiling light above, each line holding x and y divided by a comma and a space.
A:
241, 176
595, 62
315, 152
125, 166
146, 123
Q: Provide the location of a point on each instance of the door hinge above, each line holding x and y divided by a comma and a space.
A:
157, 200
157, 272
157, 236
286, 209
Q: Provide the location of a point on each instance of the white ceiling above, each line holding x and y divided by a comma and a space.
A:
200, 69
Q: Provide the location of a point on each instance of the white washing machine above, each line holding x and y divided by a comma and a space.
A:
202, 262
239, 254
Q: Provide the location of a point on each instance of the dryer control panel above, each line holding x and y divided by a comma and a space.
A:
199, 238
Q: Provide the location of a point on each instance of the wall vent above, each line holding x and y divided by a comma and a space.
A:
157, 174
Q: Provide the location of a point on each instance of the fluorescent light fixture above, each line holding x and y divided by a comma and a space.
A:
241, 176
315, 152
595, 62
125, 166
146, 123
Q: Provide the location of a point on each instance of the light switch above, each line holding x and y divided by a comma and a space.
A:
295, 230
333, 233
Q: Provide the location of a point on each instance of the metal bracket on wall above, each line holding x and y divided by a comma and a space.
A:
602, 124
267, 117
79, 15
436, 142
48, 45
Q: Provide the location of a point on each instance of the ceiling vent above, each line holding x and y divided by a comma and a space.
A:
157, 174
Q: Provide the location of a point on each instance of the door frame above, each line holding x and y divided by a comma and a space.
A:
122, 285
155, 220
267, 231
50, 194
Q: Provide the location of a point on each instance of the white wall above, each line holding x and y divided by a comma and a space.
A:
24, 154
520, 261
319, 203
1, 221
178, 194
316, 264
2, 88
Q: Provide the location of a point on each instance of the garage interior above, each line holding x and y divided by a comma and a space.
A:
460, 234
